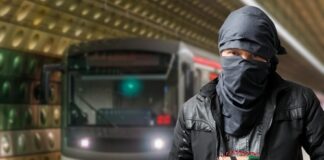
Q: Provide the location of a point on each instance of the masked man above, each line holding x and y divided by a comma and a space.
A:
249, 112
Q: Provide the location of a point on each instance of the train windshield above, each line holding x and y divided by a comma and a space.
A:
115, 94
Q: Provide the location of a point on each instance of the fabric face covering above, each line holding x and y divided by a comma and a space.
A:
242, 83
241, 87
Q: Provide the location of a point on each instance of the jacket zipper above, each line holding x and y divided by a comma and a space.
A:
273, 103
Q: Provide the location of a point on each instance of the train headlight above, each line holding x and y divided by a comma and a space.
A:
85, 143
158, 144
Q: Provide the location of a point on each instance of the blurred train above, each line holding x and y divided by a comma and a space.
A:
120, 97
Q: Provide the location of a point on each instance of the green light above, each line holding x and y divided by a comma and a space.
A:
2, 123
28, 117
16, 62
130, 87
6, 88
76, 66
31, 66
1, 60
12, 115
21, 142
22, 89
251, 157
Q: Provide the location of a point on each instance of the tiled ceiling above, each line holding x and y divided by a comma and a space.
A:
305, 21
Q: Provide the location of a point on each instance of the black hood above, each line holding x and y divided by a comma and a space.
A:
249, 28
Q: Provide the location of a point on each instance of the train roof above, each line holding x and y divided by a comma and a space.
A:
199, 52
140, 44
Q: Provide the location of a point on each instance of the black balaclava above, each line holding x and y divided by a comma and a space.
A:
242, 83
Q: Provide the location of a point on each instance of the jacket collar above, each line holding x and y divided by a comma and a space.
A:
209, 89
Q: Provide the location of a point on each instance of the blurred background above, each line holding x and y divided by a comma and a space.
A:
38, 32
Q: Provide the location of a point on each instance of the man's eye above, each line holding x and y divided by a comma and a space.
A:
230, 53
234, 53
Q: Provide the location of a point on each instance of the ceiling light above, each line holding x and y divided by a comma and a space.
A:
18, 38
4, 10
23, 12
33, 42
3, 31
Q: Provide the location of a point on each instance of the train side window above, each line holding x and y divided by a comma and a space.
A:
188, 81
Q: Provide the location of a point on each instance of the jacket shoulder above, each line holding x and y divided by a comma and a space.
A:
196, 103
197, 114
191, 105
295, 90
295, 96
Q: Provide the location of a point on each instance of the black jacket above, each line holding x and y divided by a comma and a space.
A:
294, 118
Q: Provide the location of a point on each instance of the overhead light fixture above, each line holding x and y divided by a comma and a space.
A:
85, 12
48, 45
23, 12
5, 10
3, 31
59, 3
78, 32
97, 15
72, 7
34, 41
89, 36
18, 38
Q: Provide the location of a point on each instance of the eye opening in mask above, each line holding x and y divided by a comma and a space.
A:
242, 53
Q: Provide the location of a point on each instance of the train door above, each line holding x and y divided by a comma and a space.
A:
202, 77
194, 72
192, 77
188, 81
185, 80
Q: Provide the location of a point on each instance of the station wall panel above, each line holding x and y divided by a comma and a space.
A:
45, 116
6, 144
55, 93
56, 116
22, 143
22, 117
47, 156
2, 117
28, 129
27, 142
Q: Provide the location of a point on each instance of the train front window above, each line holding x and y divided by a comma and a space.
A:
117, 95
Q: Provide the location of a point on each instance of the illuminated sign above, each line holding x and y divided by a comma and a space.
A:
120, 62
123, 60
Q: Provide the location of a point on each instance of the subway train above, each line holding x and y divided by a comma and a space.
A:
120, 97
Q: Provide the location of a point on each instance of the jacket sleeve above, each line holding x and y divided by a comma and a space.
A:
313, 140
181, 146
